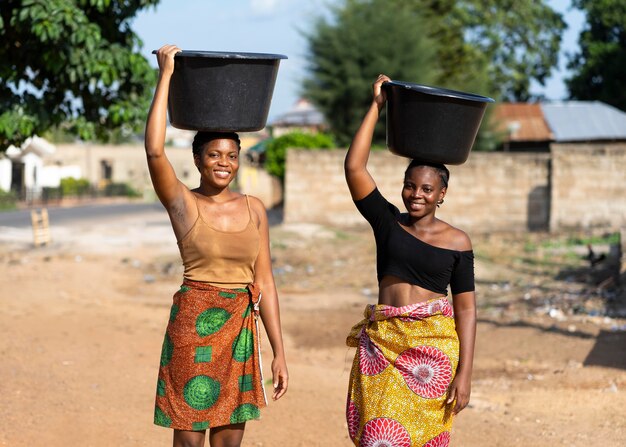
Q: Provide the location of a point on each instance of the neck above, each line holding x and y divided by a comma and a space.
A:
219, 194
421, 222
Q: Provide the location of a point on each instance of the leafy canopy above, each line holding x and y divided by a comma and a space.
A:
71, 62
491, 47
519, 39
346, 54
600, 66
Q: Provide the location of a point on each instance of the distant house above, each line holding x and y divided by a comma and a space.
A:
534, 126
25, 170
302, 117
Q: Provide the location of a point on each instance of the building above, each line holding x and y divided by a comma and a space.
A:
27, 170
302, 117
533, 127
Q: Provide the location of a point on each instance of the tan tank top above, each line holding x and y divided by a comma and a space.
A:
220, 258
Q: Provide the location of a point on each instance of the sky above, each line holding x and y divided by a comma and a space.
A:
277, 26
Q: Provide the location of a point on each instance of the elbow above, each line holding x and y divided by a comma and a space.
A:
153, 151
350, 167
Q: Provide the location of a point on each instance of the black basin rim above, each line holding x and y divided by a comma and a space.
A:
438, 91
229, 55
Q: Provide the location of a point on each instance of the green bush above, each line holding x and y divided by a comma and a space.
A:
74, 187
119, 190
8, 200
276, 149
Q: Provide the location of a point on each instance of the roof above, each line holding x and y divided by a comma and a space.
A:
522, 122
562, 121
32, 145
303, 113
584, 120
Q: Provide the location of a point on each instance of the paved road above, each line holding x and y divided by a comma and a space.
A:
21, 218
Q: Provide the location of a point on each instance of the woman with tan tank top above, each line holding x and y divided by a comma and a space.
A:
210, 373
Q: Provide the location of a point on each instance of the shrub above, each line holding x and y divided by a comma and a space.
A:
74, 187
8, 200
120, 189
276, 149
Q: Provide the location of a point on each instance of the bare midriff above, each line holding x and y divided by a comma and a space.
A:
396, 292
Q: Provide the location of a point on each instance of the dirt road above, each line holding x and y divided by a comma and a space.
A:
82, 323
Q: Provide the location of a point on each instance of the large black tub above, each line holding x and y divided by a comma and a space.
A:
223, 92
432, 124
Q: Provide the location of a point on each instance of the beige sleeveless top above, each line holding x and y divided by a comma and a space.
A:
220, 258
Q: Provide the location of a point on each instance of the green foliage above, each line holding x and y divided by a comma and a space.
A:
120, 190
491, 47
276, 149
519, 39
600, 66
8, 200
347, 52
74, 187
71, 61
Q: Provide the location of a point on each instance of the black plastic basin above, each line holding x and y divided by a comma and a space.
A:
223, 92
432, 124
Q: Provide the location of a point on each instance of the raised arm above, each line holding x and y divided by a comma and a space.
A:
270, 313
168, 188
359, 180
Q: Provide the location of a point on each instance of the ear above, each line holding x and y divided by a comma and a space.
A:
442, 194
196, 161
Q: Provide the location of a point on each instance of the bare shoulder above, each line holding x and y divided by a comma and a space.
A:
456, 238
257, 207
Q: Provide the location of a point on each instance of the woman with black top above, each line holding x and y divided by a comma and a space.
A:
413, 366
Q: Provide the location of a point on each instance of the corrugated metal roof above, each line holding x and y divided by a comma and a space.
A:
584, 120
521, 122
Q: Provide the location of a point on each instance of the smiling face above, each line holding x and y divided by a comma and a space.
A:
422, 190
218, 162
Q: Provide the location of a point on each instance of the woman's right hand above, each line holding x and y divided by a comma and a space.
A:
380, 96
165, 58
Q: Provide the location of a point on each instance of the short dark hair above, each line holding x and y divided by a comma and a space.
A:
444, 173
202, 138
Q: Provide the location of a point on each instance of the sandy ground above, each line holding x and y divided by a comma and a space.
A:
82, 323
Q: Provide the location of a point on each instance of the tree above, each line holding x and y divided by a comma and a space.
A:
71, 62
600, 66
347, 54
492, 47
519, 39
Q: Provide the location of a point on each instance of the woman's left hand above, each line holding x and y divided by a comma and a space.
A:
280, 377
459, 390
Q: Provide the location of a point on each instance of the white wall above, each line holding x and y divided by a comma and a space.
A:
5, 174
51, 175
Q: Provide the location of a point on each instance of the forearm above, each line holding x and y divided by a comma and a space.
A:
157, 118
359, 150
466, 330
270, 315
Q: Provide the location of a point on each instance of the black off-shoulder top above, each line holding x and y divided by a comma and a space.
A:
400, 254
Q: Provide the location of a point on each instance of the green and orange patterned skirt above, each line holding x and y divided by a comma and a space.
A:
405, 361
210, 373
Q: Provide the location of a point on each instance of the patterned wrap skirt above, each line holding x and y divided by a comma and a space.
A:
210, 372
405, 361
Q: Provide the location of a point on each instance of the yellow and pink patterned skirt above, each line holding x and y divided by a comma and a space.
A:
405, 361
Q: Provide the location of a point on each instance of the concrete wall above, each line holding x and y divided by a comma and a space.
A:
128, 165
588, 185
491, 192
573, 187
